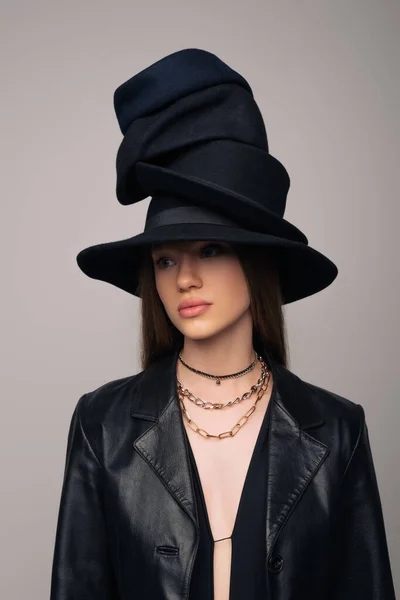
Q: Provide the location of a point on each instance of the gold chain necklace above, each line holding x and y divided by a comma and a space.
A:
211, 405
238, 425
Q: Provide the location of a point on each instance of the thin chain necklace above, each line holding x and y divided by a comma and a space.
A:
219, 377
211, 405
242, 421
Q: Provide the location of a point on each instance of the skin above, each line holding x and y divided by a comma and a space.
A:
218, 341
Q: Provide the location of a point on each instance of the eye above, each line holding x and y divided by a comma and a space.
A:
157, 262
215, 246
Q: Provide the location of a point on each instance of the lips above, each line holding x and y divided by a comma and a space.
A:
193, 311
190, 302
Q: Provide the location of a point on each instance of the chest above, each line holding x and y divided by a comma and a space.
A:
223, 467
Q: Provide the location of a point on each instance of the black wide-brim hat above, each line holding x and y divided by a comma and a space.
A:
196, 142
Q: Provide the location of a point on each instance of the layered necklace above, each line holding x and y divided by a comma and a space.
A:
259, 389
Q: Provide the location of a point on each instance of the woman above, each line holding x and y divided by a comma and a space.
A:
214, 472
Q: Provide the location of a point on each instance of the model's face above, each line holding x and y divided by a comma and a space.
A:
207, 270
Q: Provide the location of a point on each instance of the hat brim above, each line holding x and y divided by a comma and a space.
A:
304, 271
154, 178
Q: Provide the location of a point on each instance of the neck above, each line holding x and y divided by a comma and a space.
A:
222, 357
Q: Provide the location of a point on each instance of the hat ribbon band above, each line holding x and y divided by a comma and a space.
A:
187, 214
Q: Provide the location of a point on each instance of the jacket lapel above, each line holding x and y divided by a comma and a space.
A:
163, 445
294, 456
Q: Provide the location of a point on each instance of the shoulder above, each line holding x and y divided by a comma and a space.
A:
343, 418
104, 411
331, 406
334, 406
329, 417
103, 402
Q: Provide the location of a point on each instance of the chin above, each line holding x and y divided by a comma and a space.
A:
200, 331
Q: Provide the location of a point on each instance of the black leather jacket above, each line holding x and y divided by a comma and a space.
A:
127, 525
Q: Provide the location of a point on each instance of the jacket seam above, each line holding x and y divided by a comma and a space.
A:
81, 419
356, 445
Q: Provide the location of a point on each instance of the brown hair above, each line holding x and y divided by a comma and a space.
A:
159, 336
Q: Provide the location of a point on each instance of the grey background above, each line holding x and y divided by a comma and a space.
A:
325, 75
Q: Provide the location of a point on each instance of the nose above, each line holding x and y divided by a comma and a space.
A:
188, 272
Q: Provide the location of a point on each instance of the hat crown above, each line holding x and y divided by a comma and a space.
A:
168, 80
193, 129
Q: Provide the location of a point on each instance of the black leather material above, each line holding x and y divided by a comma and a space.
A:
127, 525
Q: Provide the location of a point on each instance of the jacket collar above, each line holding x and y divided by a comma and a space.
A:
293, 456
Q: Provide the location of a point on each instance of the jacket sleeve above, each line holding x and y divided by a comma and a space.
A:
361, 567
82, 567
